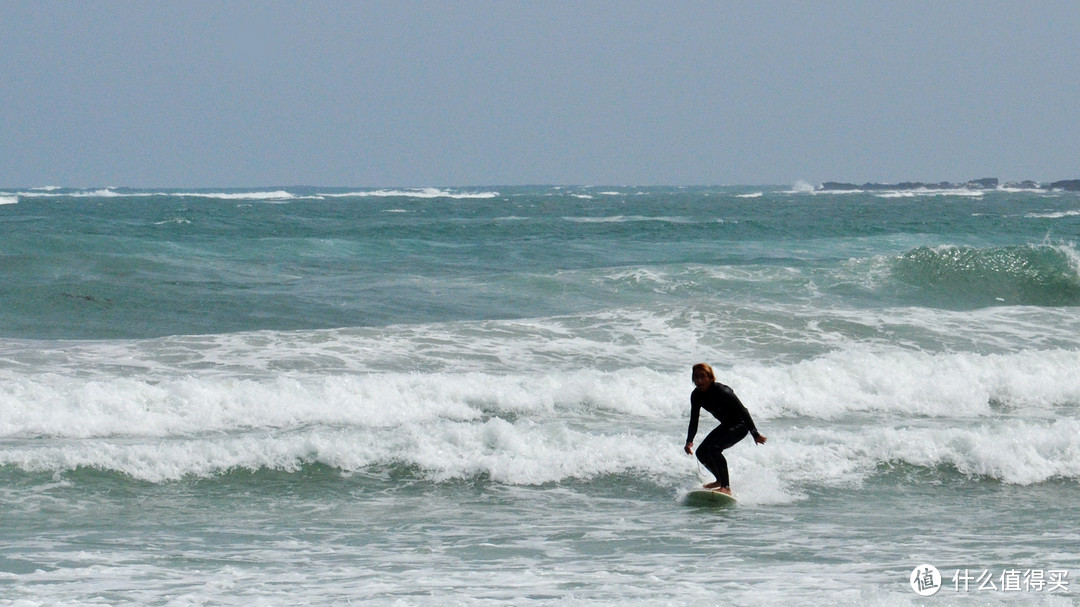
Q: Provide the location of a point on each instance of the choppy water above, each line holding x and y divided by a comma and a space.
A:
479, 395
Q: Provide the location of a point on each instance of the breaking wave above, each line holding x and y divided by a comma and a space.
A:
1036, 275
832, 419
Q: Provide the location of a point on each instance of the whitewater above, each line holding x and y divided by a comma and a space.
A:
412, 396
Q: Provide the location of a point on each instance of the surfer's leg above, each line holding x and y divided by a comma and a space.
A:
713, 458
710, 452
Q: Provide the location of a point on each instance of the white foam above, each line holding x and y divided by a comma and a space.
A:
916, 384
527, 452
273, 195
538, 449
1008, 417
87, 193
931, 192
830, 192
269, 195
540, 400
64, 407
9, 200
518, 452
415, 193
629, 219
1053, 215
1007, 449
106, 193
907, 193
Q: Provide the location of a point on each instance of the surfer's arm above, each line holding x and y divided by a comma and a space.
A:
691, 432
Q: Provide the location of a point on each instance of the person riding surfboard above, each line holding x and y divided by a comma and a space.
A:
735, 424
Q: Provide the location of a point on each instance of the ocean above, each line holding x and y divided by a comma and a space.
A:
479, 396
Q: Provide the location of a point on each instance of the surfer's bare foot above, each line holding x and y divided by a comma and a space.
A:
712, 485
724, 490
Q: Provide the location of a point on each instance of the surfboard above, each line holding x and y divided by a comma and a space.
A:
709, 497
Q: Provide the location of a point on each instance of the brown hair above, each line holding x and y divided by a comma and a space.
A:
706, 369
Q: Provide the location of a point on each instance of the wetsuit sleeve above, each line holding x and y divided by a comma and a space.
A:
695, 411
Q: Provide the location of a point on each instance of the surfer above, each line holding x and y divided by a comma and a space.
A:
735, 423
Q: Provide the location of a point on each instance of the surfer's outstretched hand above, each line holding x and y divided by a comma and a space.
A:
689, 448
760, 439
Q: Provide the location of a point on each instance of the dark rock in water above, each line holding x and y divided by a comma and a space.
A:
903, 185
1069, 185
1023, 185
86, 297
835, 186
986, 183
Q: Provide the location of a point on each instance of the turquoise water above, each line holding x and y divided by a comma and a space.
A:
479, 395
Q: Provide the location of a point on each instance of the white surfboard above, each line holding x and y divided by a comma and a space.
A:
709, 497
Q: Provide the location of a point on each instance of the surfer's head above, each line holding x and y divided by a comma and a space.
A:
703, 375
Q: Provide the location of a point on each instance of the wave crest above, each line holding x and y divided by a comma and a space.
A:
1034, 275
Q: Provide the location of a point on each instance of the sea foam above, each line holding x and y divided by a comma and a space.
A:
415, 193
832, 419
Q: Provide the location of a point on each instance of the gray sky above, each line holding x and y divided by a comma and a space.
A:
215, 94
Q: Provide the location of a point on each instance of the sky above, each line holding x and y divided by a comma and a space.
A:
422, 93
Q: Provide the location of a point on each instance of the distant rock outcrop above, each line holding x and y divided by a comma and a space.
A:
985, 183
1023, 185
1069, 185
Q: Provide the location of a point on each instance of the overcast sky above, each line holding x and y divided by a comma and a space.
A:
216, 94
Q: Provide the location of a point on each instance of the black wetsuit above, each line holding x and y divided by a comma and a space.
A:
735, 423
